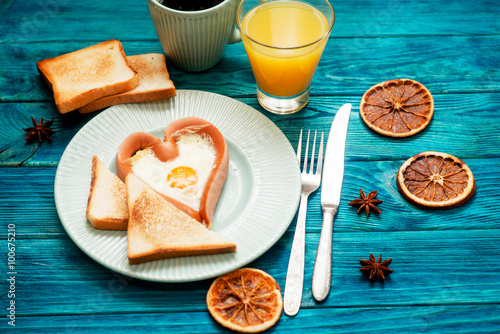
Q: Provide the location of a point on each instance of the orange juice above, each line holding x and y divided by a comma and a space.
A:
284, 41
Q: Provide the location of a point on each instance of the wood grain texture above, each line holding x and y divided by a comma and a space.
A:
445, 263
348, 67
470, 119
34, 196
405, 320
42, 21
425, 273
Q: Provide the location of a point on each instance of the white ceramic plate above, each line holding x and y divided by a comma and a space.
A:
257, 204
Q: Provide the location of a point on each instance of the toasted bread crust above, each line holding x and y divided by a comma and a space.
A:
108, 190
85, 75
158, 229
154, 83
168, 253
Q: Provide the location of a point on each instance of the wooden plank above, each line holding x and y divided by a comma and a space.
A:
438, 268
365, 18
421, 319
28, 194
15, 151
443, 64
458, 118
446, 276
461, 115
58, 19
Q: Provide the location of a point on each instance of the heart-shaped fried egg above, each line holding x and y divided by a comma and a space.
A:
188, 167
182, 178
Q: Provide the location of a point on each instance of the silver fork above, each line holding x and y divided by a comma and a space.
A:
310, 182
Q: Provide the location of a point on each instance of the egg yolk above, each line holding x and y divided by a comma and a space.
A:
182, 177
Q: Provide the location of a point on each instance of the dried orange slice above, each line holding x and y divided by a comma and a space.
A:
397, 108
246, 300
436, 180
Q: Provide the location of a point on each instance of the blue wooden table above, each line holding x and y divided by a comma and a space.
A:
446, 263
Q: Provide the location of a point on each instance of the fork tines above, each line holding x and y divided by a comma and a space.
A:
320, 153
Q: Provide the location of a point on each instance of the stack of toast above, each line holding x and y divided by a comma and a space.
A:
102, 75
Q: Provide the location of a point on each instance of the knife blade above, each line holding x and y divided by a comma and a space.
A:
331, 186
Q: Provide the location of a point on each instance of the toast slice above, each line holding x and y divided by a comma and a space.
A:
107, 207
157, 229
86, 75
154, 83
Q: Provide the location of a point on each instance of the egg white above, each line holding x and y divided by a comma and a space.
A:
195, 151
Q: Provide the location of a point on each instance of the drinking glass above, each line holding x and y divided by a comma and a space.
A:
284, 41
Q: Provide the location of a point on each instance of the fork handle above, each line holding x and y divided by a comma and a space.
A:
295, 273
322, 273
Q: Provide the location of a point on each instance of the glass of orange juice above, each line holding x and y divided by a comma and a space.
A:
284, 41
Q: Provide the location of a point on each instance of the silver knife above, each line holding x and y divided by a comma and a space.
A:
331, 186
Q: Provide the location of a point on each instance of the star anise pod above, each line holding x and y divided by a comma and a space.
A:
39, 130
377, 269
367, 202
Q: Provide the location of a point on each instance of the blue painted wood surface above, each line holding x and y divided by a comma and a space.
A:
446, 263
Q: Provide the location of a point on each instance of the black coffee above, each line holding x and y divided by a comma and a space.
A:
190, 5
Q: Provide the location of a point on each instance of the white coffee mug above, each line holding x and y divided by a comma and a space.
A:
195, 40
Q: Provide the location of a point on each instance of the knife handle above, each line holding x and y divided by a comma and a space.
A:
295, 273
322, 274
